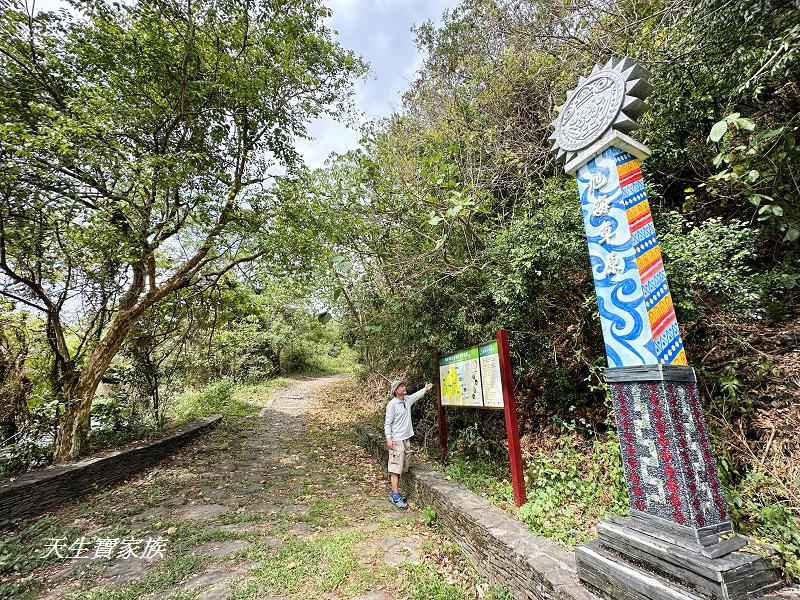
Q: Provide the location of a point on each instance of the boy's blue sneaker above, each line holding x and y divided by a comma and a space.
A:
397, 500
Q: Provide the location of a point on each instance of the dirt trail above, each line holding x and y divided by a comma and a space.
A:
281, 504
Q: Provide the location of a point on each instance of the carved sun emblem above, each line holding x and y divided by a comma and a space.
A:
611, 97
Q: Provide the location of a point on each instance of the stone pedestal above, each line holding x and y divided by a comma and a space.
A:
633, 560
678, 542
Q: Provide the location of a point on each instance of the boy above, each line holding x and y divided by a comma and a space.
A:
398, 429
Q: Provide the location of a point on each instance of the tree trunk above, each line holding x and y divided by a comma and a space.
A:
157, 406
365, 353
71, 437
15, 387
74, 425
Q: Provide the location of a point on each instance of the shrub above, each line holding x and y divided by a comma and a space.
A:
118, 420
710, 263
569, 491
758, 510
216, 398
24, 454
470, 441
429, 516
23, 551
426, 584
483, 476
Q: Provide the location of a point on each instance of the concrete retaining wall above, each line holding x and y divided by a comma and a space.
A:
501, 548
40, 491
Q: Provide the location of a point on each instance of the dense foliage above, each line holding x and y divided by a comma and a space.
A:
454, 221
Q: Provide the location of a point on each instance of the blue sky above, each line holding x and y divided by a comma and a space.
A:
380, 32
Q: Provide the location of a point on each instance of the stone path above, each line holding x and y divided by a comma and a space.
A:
282, 504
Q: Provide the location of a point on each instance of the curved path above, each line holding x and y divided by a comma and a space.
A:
278, 504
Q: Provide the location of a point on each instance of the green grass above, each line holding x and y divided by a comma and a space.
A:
345, 561
568, 490
216, 398
322, 363
226, 398
497, 592
237, 518
759, 511
168, 573
426, 583
429, 516
481, 475
178, 564
259, 394
22, 551
19, 590
326, 513
314, 566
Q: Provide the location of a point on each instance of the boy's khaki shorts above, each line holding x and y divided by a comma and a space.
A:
399, 457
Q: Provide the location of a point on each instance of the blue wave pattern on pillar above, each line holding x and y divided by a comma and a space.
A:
620, 298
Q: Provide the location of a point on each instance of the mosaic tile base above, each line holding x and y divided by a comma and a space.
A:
670, 468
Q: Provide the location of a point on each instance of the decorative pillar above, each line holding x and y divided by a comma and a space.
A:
677, 542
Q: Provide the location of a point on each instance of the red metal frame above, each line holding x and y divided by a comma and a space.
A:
509, 410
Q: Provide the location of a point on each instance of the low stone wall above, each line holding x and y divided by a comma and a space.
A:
501, 548
40, 491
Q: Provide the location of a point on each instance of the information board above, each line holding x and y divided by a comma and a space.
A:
471, 378
490, 376
481, 377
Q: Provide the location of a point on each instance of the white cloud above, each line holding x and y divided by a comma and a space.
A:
47, 5
326, 136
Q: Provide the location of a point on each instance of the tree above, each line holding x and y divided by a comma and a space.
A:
15, 386
154, 347
136, 143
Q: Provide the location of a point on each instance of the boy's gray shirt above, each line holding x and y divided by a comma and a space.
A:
397, 424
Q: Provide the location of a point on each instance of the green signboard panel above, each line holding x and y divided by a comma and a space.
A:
471, 377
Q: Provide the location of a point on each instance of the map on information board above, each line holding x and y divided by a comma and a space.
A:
471, 378
460, 379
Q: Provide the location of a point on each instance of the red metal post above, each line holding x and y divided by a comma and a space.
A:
441, 413
510, 410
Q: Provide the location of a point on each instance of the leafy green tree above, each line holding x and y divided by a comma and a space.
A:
155, 348
15, 385
136, 143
